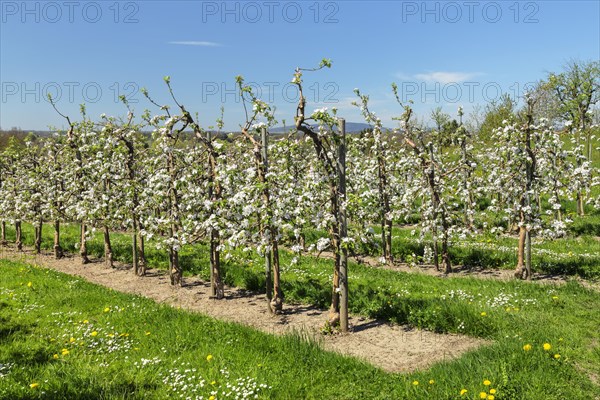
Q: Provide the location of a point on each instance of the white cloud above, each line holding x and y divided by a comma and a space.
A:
403, 76
447, 77
196, 43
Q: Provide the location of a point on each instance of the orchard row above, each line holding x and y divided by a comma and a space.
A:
182, 184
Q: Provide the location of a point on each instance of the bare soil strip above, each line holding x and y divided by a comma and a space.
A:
392, 348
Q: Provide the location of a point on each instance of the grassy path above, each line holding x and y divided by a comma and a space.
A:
161, 352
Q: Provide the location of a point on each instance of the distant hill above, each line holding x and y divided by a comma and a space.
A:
351, 127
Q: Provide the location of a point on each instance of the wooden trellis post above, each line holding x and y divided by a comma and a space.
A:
341, 165
264, 150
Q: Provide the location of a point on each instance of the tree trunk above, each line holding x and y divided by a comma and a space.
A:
466, 175
334, 230
388, 240
134, 248
384, 207
589, 145
520, 270
445, 251
434, 225
137, 244
142, 265
214, 193
435, 201
276, 304
334, 310
528, 254
269, 278
580, 206
38, 236
18, 236
108, 254
436, 252
83, 245
58, 251
83, 230
175, 272
555, 184
274, 293
531, 166
216, 284
3, 241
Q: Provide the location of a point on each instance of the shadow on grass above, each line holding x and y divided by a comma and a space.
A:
9, 329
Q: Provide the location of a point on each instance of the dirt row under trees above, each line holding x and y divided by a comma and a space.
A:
390, 347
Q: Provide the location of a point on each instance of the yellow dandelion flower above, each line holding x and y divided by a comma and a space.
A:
431, 381
71, 340
487, 383
492, 391
463, 392
64, 352
554, 297
85, 321
213, 383
557, 356
34, 385
29, 284
147, 333
483, 314
527, 347
106, 309
94, 334
55, 356
211, 398
482, 395
490, 397
547, 346
416, 383
209, 357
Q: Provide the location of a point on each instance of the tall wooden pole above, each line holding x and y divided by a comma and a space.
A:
213, 284
267, 226
341, 165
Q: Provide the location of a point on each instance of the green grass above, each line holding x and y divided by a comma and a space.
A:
401, 298
574, 255
38, 322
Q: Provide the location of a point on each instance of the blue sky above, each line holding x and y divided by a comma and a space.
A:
441, 53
